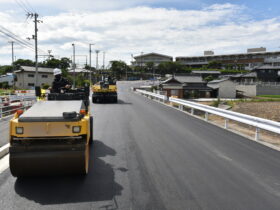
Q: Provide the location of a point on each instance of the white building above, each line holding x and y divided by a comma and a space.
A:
26, 77
8, 79
224, 88
142, 60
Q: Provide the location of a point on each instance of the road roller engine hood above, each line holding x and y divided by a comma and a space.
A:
51, 118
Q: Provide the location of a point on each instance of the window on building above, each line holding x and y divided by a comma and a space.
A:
175, 92
44, 76
31, 84
30, 75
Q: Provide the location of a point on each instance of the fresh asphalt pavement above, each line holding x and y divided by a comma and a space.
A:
149, 156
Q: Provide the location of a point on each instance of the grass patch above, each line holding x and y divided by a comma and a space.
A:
5, 91
269, 96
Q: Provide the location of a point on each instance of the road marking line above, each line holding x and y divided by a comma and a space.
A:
4, 163
4, 150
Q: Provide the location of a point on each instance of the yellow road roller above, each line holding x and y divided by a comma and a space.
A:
105, 91
53, 136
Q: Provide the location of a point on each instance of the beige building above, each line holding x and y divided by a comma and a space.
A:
26, 77
143, 59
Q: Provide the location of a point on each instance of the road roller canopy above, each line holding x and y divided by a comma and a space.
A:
53, 111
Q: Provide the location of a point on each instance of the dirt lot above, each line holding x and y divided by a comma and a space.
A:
267, 110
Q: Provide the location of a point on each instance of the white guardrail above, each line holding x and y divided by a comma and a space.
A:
147, 93
258, 123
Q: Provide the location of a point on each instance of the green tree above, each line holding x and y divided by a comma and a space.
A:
62, 63
24, 62
119, 69
5, 69
209, 78
170, 68
214, 65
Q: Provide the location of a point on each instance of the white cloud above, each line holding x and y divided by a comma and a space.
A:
92, 5
224, 28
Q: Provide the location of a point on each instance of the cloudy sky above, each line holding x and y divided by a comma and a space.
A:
125, 27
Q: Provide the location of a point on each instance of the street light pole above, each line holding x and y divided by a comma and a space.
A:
74, 65
90, 72
97, 51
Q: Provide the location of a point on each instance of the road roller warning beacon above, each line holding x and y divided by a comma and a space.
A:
53, 136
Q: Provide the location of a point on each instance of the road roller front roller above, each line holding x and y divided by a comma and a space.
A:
52, 137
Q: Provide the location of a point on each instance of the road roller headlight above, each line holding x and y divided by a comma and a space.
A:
19, 130
76, 129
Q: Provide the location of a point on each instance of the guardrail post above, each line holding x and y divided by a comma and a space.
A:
181, 107
257, 134
206, 116
226, 123
165, 100
192, 111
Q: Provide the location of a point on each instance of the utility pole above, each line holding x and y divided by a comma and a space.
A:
141, 61
97, 51
49, 51
153, 75
74, 66
36, 49
90, 72
35, 37
103, 60
12, 42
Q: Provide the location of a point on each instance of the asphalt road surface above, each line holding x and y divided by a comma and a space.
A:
4, 130
149, 156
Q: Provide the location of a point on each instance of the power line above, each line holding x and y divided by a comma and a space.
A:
27, 3
21, 6
22, 2
22, 40
14, 35
16, 38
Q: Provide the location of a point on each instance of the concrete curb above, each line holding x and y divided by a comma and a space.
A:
230, 130
4, 150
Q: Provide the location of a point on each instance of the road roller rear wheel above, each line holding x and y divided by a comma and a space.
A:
91, 130
86, 160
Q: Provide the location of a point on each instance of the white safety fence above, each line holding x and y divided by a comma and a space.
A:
7, 111
258, 123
